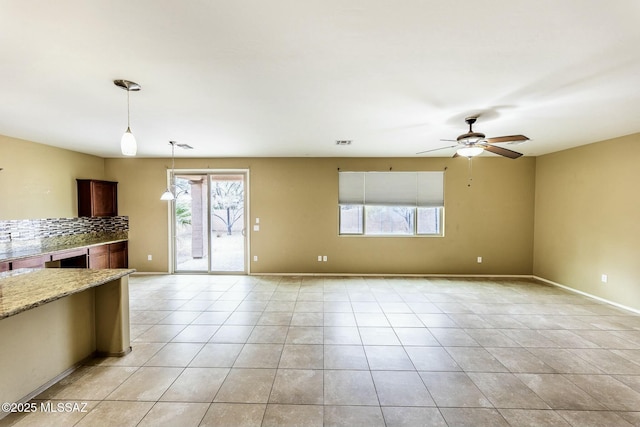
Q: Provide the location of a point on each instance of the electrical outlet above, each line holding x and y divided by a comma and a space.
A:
255, 258
256, 227
149, 257
604, 278
324, 258
479, 260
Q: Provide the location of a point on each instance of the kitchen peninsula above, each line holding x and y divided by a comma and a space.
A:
53, 318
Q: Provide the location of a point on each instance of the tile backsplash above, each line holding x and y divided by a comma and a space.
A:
22, 230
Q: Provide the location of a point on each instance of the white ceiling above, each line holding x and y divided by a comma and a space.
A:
289, 77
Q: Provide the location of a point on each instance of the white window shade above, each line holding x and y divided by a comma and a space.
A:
430, 189
424, 189
351, 191
390, 188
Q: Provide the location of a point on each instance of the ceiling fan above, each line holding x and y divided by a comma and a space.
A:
473, 143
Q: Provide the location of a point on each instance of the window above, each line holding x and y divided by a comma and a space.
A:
391, 203
351, 219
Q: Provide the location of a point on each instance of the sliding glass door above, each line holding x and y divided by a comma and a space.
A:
227, 222
209, 222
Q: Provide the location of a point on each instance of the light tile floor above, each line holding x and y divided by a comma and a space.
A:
351, 351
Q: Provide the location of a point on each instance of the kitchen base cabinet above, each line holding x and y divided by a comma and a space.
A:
102, 256
75, 258
31, 262
114, 255
99, 257
118, 257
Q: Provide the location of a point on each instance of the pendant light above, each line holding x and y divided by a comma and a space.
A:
128, 143
168, 194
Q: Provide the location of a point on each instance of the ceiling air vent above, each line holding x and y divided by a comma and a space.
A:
343, 142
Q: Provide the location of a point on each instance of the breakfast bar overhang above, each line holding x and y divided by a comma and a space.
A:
51, 319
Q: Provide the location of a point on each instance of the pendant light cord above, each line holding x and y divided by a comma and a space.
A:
128, 111
173, 157
173, 165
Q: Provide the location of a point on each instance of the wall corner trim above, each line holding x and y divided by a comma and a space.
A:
570, 289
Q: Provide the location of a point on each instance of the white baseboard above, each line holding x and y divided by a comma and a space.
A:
484, 276
149, 273
586, 294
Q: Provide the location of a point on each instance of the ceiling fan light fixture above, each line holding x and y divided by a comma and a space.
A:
471, 138
469, 151
474, 143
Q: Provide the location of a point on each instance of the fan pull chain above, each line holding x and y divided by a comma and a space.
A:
470, 173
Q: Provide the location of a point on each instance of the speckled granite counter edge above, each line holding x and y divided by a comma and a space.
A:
22, 290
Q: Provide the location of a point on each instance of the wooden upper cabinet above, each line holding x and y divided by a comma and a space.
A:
97, 198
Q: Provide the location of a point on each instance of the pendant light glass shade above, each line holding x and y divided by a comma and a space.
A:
167, 195
128, 144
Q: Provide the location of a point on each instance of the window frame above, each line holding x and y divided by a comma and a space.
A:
362, 229
363, 221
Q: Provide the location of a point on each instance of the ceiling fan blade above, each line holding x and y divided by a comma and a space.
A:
509, 138
455, 155
501, 151
436, 149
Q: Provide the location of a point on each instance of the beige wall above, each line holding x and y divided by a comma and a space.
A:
587, 219
39, 181
296, 201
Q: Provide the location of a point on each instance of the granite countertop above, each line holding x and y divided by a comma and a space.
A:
18, 253
24, 289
